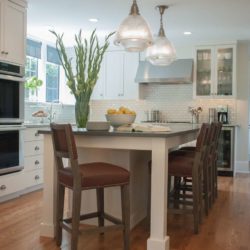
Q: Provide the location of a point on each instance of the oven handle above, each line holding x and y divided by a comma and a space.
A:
12, 78
11, 128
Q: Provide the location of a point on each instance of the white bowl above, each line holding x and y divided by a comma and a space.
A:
97, 126
117, 120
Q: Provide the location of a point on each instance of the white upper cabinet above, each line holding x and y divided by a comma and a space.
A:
117, 77
215, 74
12, 32
114, 75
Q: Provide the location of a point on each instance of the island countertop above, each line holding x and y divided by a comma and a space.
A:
176, 129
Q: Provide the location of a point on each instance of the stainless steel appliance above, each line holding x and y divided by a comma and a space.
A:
11, 148
178, 72
11, 93
212, 115
225, 162
222, 112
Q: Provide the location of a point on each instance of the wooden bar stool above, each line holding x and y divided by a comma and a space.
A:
210, 166
79, 177
182, 167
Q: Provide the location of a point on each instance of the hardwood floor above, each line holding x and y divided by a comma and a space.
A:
226, 228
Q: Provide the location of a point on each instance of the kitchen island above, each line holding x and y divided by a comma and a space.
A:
157, 144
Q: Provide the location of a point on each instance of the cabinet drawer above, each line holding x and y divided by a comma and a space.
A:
11, 183
33, 162
31, 134
33, 148
33, 178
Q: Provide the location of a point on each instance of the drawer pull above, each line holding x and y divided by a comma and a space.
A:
37, 177
3, 187
36, 148
37, 162
36, 134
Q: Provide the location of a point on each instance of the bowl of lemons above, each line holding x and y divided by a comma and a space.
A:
121, 116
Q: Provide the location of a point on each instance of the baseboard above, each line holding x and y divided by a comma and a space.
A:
242, 167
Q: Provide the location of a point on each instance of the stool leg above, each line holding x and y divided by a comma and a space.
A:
196, 214
59, 212
206, 180
75, 217
126, 216
100, 206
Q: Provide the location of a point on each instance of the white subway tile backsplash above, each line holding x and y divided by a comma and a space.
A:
172, 100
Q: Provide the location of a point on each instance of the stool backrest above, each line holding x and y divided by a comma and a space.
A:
202, 139
216, 135
201, 150
64, 146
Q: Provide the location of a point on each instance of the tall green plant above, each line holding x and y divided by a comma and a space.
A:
89, 56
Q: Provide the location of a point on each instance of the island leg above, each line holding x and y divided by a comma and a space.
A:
159, 177
47, 227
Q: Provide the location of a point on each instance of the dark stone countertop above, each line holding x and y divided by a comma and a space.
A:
176, 129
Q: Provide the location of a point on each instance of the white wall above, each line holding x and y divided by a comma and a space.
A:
242, 106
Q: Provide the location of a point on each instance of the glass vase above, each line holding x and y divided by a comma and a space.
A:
81, 113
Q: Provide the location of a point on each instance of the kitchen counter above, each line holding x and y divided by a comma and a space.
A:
176, 129
131, 150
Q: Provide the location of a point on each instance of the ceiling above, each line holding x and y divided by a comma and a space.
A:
209, 21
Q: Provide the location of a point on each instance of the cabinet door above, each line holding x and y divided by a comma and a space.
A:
99, 89
204, 76
131, 61
225, 70
114, 74
14, 33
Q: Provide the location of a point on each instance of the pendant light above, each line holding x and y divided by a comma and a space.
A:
162, 52
134, 33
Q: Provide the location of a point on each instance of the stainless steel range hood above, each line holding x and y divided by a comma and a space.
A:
180, 71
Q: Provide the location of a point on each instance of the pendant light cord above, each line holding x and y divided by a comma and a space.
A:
161, 10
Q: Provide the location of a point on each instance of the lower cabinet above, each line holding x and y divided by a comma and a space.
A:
33, 158
11, 183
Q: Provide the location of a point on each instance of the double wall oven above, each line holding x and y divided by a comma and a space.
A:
11, 117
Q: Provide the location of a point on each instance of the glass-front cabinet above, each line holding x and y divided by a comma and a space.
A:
215, 74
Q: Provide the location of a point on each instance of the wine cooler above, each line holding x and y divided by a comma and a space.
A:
225, 162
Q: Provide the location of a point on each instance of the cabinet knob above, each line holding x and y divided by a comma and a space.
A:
2, 52
101, 94
37, 177
6, 53
37, 148
37, 162
3, 187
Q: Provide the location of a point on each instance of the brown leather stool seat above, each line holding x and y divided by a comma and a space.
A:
95, 175
180, 166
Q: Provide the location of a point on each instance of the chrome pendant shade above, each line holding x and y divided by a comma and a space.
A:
134, 33
162, 52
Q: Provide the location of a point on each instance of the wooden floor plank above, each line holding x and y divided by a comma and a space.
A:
226, 228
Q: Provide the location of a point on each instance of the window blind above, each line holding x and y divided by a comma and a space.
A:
33, 48
52, 55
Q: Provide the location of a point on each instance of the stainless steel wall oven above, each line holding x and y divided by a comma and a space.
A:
11, 117
11, 148
11, 93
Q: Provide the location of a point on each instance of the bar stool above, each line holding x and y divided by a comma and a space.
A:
182, 167
79, 177
210, 166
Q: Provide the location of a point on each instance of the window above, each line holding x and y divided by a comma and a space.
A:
52, 75
31, 67
52, 82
